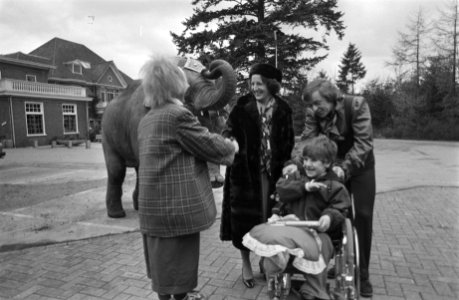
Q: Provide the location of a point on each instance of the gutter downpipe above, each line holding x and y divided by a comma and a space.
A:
12, 122
87, 120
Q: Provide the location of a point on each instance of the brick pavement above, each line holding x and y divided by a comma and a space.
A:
415, 256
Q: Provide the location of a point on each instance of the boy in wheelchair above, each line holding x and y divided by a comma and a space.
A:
312, 193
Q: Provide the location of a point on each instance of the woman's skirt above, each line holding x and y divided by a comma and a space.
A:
172, 263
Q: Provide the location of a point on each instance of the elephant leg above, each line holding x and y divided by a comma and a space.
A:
216, 178
135, 194
116, 170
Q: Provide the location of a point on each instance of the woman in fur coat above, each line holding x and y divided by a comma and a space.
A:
261, 123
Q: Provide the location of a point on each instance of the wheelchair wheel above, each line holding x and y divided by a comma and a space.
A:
357, 262
347, 281
279, 286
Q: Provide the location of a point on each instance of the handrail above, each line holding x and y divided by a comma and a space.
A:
22, 86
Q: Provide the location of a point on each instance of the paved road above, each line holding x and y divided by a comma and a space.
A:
415, 251
73, 217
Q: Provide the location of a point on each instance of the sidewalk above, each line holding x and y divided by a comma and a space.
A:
415, 248
72, 217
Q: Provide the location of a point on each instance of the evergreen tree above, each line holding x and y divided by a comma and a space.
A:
244, 32
351, 69
380, 97
299, 112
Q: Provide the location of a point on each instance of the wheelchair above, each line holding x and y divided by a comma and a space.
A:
346, 282
347, 271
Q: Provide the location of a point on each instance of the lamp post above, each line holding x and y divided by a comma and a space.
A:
351, 81
275, 45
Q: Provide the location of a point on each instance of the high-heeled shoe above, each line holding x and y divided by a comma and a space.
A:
249, 283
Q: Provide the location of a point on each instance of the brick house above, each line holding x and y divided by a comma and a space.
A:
57, 91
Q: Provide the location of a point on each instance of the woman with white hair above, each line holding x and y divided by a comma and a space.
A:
175, 195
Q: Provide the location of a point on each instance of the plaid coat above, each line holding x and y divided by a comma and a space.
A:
175, 194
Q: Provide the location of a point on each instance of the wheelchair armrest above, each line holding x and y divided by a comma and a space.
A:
309, 224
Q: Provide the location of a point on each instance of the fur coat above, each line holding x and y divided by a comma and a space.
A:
242, 200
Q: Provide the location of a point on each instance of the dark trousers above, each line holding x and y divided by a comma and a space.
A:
362, 186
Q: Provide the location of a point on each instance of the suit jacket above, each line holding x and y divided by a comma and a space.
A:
175, 194
242, 199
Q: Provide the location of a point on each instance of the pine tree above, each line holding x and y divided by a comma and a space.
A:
298, 112
244, 32
351, 69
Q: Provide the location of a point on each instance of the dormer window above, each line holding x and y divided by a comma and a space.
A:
32, 78
76, 68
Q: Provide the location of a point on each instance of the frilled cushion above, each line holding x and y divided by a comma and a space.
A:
274, 239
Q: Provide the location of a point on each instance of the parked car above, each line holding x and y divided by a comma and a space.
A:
2, 153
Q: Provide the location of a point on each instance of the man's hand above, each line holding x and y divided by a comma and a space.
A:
339, 172
324, 223
290, 169
235, 144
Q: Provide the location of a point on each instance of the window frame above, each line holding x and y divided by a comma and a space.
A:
41, 113
106, 93
30, 76
75, 71
74, 113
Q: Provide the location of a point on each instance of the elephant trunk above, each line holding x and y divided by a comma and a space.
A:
216, 95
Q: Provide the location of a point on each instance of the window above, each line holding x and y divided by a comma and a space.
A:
31, 78
76, 69
109, 95
34, 118
110, 78
69, 112
0, 74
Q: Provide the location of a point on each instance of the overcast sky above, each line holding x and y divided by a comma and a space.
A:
128, 31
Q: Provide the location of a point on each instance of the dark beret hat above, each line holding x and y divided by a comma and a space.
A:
266, 70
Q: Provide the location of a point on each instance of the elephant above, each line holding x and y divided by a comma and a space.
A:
209, 90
